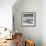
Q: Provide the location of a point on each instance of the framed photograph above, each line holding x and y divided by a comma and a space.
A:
28, 19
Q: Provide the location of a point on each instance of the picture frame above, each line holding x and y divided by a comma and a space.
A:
28, 19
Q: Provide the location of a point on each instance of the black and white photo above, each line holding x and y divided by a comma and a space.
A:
28, 18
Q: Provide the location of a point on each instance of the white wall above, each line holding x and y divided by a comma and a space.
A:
43, 22
6, 13
33, 33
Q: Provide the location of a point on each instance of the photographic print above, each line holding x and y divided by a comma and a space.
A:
28, 19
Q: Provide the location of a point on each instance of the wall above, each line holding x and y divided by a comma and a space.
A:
6, 13
33, 33
43, 22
